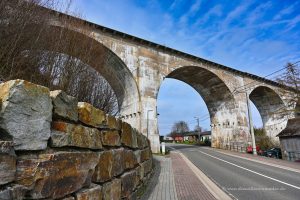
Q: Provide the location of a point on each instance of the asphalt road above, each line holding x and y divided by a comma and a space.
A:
243, 179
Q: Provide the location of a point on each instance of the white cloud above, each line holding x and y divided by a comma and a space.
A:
214, 11
286, 11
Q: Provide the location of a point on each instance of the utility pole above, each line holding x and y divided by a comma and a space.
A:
251, 125
198, 126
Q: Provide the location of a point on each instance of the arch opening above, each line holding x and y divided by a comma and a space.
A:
94, 54
211, 88
178, 101
270, 106
228, 121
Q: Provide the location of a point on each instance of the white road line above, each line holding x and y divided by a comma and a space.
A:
274, 179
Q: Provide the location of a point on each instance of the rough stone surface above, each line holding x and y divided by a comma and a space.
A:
25, 114
94, 192
128, 183
103, 170
129, 159
145, 154
56, 175
118, 161
139, 175
15, 192
74, 158
137, 154
7, 162
112, 190
113, 123
133, 196
64, 106
111, 138
141, 172
142, 141
90, 115
65, 134
128, 136
68, 198
146, 167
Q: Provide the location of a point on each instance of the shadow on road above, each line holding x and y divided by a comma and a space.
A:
183, 146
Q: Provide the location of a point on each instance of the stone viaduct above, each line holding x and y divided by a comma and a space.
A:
136, 68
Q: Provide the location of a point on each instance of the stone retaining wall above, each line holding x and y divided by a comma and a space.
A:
53, 147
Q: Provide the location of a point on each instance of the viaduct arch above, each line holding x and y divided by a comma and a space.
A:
135, 68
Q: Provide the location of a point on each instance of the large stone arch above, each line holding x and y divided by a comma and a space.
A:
110, 66
228, 120
271, 108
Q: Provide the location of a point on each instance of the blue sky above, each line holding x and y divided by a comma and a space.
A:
258, 37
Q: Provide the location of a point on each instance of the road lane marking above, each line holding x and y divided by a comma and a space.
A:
254, 160
274, 179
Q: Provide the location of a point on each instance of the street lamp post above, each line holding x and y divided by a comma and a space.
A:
197, 118
148, 122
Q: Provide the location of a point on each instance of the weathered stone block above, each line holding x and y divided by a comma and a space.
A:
111, 138
103, 171
141, 172
65, 134
90, 115
129, 159
94, 192
145, 154
128, 136
118, 161
146, 167
142, 141
139, 175
112, 190
64, 106
15, 192
55, 175
25, 114
7, 162
113, 123
128, 180
137, 154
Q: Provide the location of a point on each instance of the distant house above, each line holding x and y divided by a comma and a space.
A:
290, 140
191, 136
206, 135
194, 136
178, 139
168, 139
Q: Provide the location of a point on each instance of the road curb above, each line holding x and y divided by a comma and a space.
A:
208, 183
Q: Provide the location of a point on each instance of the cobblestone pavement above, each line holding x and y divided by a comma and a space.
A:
174, 180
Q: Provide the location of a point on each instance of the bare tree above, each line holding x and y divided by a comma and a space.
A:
180, 128
32, 50
291, 78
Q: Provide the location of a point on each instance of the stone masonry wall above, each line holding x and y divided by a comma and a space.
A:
53, 147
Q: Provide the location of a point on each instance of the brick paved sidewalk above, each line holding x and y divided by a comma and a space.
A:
174, 180
188, 186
